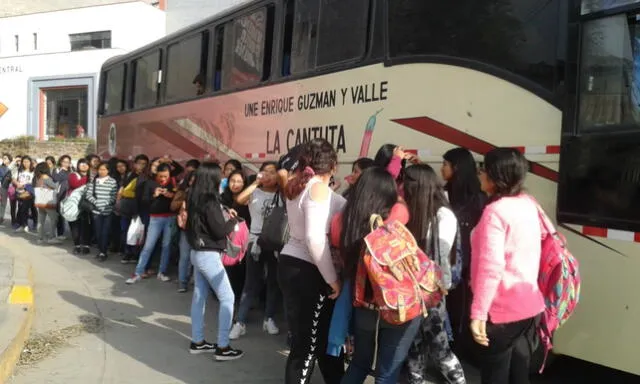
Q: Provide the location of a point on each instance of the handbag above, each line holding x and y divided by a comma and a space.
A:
275, 227
45, 197
85, 205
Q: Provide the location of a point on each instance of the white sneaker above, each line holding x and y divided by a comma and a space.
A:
237, 330
270, 327
54, 241
134, 279
163, 277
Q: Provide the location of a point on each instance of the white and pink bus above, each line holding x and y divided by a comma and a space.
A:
559, 79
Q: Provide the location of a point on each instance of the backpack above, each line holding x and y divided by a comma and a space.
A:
69, 206
558, 280
237, 242
404, 282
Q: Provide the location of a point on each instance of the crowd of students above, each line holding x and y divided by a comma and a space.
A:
489, 315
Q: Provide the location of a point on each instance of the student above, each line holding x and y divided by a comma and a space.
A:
375, 193
178, 205
306, 271
237, 184
230, 166
5, 181
45, 181
22, 181
435, 227
104, 199
158, 194
259, 197
207, 234
505, 246
80, 228
61, 176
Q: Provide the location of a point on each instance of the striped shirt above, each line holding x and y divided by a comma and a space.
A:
104, 197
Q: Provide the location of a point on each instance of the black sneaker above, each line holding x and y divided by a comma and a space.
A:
101, 257
126, 259
228, 353
85, 249
196, 349
77, 249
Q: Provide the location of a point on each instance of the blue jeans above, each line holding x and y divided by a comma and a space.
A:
253, 282
393, 345
184, 265
209, 274
102, 228
158, 226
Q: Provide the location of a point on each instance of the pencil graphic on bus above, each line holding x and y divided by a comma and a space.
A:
368, 134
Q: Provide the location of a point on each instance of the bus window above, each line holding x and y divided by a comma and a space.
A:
610, 74
186, 68
244, 50
219, 52
114, 81
305, 29
591, 6
288, 37
146, 74
342, 34
518, 36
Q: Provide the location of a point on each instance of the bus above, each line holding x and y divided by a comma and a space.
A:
557, 79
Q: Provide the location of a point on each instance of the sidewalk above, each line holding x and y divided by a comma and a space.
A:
16, 309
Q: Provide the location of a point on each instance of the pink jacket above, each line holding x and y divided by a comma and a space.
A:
505, 260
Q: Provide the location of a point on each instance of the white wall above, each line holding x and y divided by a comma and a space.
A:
182, 13
132, 24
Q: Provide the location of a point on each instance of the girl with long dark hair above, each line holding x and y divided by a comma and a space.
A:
374, 193
43, 179
22, 181
237, 182
356, 170
207, 233
260, 197
81, 227
467, 201
505, 244
306, 271
178, 205
394, 159
435, 228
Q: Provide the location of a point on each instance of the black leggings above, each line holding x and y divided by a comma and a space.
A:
308, 310
508, 357
81, 230
24, 208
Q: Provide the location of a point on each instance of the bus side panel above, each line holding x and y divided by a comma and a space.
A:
429, 108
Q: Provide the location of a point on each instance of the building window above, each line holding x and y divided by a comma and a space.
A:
35, 41
17, 39
146, 73
186, 67
90, 40
65, 111
114, 89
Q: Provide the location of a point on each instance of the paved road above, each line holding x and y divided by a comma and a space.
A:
143, 330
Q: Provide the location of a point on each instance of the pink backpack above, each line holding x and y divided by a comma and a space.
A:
558, 280
237, 242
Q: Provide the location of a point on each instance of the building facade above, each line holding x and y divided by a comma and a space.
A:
50, 62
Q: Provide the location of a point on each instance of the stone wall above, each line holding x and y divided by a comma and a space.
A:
41, 149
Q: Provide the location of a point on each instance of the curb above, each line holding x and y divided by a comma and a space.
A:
20, 314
